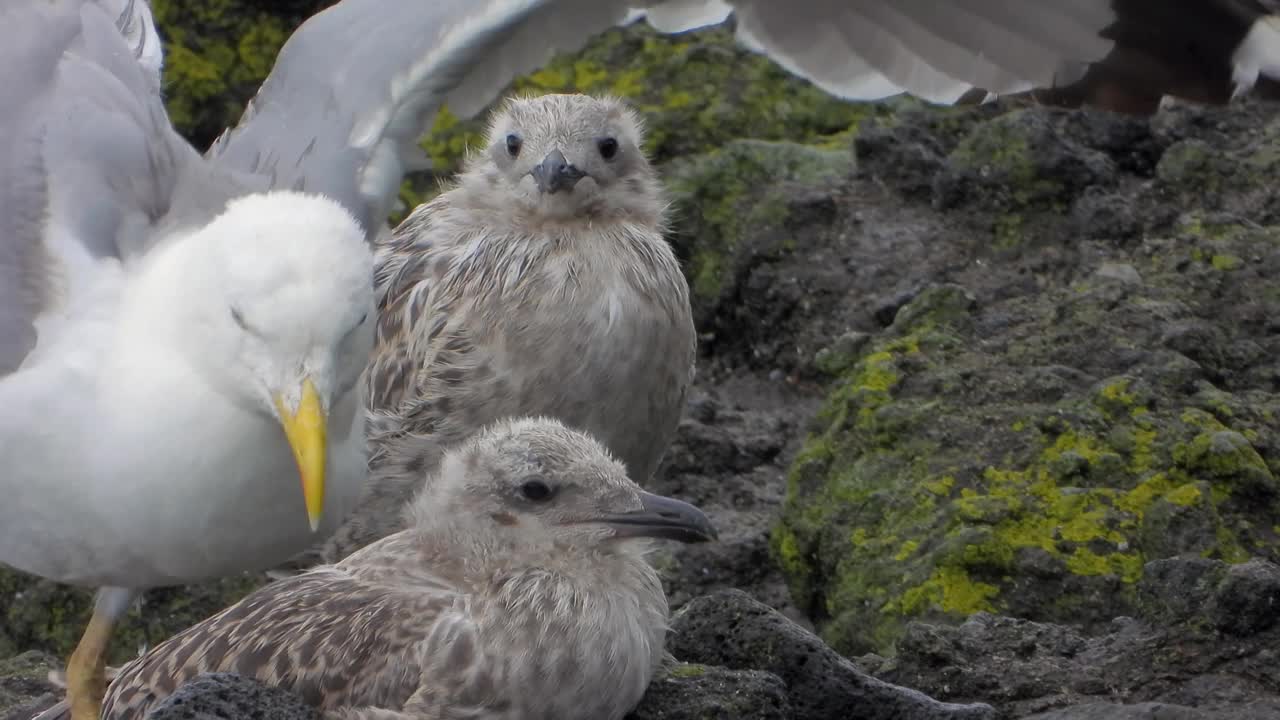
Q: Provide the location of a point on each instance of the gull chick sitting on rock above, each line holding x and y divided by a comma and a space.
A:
519, 590
540, 284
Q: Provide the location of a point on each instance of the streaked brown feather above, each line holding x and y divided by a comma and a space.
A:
328, 635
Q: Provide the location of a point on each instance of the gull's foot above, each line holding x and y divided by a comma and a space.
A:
86, 670
85, 687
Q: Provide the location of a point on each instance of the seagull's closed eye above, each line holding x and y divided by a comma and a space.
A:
238, 317
359, 324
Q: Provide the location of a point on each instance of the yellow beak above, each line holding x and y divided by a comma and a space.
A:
306, 431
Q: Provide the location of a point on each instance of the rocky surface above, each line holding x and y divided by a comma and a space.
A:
1202, 644
24, 685
731, 629
987, 397
1060, 395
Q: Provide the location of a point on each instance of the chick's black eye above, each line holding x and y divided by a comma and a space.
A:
535, 490
608, 147
513, 145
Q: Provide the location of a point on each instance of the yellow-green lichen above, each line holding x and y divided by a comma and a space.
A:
787, 551
1225, 262
907, 550
895, 523
950, 590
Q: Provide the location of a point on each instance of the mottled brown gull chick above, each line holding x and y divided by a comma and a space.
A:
539, 285
519, 590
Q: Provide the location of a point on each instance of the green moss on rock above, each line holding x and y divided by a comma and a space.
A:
740, 191
685, 670
1193, 166
935, 487
1016, 161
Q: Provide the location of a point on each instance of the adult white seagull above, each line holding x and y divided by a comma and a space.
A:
181, 335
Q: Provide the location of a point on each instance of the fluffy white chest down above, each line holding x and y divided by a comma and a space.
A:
139, 474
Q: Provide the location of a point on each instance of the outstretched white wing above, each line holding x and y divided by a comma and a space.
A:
91, 171
356, 86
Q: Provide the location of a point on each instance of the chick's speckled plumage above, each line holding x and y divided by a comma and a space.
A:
498, 300
488, 605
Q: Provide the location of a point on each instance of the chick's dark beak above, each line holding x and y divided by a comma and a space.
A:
663, 517
555, 173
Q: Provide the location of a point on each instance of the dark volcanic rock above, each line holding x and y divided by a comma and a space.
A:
731, 629
730, 461
227, 696
1248, 600
698, 692
1179, 589
1157, 711
1020, 159
1170, 658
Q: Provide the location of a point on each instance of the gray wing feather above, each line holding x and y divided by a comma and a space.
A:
22, 186
356, 86
1113, 53
90, 168
868, 49
134, 21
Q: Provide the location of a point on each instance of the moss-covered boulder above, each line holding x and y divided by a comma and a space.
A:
1017, 160
745, 193
1029, 456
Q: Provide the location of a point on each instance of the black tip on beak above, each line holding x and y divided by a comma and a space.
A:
663, 517
555, 173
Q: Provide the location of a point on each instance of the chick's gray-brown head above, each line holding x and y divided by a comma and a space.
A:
569, 156
533, 482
